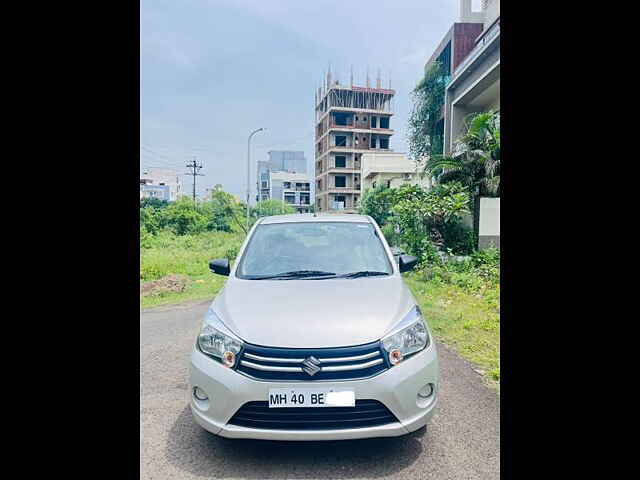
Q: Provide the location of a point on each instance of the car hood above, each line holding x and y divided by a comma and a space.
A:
313, 313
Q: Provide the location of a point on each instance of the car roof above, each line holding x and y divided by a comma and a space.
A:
311, 217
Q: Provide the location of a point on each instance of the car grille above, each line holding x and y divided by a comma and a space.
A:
299, 364
366, 413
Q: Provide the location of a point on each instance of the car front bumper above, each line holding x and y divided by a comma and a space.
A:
396, 388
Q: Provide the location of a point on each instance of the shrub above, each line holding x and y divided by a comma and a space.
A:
458, 237
389, 231
377, 203
427, 217
232, 252
267, 208
481, 272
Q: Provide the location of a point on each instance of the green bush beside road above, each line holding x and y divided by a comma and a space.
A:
461, 302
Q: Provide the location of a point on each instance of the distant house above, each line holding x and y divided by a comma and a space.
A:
291, 188
390, 169
161, 177
283, 177
149, 190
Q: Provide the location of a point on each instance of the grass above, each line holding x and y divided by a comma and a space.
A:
167, 254
465, 319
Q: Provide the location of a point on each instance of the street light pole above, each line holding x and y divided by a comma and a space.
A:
249, 170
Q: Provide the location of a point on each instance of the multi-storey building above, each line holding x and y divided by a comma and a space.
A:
470, 57
291, 188
279, 161
283, 177
350, 121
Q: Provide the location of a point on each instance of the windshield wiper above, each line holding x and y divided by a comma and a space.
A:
296, 274
363, 273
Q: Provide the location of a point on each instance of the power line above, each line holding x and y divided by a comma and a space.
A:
195, 168
168, 160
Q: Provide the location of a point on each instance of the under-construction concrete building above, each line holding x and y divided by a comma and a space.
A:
350, 121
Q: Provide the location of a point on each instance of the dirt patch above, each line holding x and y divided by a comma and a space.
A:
168, 284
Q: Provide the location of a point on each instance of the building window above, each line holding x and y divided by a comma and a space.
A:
339, 202
384, 143
264, 184
341, 181
388, 183
384, 122
341, 141
286, 185
374, 122
290, 198
341, 161
373, 142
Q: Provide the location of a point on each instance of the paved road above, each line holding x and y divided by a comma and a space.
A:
462, 440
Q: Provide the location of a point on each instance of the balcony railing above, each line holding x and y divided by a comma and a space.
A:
486, 38
357, 147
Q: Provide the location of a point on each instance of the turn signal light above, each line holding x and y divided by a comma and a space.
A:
395, 356
229, 359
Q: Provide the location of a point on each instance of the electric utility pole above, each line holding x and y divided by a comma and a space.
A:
195, 168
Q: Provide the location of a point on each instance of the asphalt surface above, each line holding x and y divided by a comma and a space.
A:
462, 441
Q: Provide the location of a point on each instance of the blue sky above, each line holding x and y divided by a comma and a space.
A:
213, 71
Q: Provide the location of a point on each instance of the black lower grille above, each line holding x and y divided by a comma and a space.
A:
366, 413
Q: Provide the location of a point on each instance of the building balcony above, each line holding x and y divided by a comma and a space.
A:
485, 39
348, 189
345, 148
349, 128
333, 169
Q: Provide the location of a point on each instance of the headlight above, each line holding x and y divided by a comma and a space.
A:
217, 341
409, 337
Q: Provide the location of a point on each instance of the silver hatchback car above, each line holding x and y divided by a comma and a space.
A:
314, 336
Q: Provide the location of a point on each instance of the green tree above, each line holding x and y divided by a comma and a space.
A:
476, 161
377, 203
266, 208
153, 202
222, 211
149, 221
183, 217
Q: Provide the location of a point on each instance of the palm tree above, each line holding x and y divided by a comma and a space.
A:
476, 159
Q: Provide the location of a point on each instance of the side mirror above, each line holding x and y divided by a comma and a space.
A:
407, 262
220, 266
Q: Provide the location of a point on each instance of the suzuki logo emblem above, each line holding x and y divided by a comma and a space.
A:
311, 365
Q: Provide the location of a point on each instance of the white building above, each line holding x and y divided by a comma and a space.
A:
148, 190
390, 169
292, 188
155, 177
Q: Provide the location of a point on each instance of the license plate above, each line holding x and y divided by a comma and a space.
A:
311, 397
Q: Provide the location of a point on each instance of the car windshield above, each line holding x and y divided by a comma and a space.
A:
314, 250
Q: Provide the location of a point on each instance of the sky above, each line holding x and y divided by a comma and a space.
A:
212, 71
